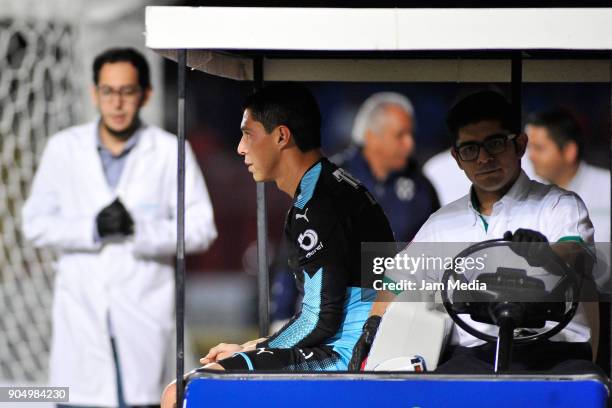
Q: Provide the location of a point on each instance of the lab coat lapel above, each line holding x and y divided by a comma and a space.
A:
134, 159
93, 165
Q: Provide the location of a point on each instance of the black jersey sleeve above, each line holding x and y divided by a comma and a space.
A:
320, 253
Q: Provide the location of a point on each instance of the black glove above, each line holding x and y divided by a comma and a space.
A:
363, 345
531, 245
114, 219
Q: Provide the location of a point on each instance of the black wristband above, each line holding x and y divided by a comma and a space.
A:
370, 327
372, 322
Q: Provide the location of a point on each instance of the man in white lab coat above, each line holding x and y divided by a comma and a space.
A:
104, 197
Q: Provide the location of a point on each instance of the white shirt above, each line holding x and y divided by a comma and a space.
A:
450, 181
592, 184
556, 213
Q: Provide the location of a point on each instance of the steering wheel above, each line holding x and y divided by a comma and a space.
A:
536, 304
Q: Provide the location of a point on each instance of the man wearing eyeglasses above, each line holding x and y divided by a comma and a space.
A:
501, 203
104, 197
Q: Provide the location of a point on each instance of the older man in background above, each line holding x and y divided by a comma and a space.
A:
381, 158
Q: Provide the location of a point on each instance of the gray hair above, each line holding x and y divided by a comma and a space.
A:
372, 107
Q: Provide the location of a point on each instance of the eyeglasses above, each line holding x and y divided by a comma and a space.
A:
494, 144
127, 93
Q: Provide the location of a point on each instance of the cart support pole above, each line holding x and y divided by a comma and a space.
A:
609, 297
180, 233
263, 278
517, 88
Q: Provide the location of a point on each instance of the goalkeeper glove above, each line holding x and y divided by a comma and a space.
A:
363, 345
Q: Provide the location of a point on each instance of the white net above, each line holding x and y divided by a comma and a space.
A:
46, 49
39, 74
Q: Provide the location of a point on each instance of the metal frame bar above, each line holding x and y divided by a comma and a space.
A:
402, 66
263, 275
516, 75
387, 375
180, 229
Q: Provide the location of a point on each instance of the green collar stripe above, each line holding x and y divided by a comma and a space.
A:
389, 280
484, 222
574, 238
476, 205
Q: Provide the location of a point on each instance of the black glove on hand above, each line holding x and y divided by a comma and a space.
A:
114, 219
363, 345
531, 245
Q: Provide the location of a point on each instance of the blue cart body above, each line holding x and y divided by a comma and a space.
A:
340, 390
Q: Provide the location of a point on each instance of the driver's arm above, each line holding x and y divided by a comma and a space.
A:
382, 301
571, 233
580, 258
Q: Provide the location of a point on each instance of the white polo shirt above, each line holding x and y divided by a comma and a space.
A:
592, 184
556, 213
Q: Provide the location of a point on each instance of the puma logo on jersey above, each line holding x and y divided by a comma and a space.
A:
263, 350
298, 216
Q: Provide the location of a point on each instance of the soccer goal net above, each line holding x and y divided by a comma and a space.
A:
38, 71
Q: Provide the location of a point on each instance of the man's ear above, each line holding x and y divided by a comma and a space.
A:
284, 138
93, 92
570, 152
146, 95
454, 154
520, 144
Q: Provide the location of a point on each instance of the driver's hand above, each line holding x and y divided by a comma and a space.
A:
220, 352
531, 245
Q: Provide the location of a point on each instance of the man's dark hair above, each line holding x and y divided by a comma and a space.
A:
123, 55
289, 105
484, 105
561, 125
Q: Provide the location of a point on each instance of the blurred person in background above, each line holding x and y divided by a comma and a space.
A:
380, 157
104, 196
556, 150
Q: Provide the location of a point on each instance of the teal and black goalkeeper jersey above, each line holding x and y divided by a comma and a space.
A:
331, 215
